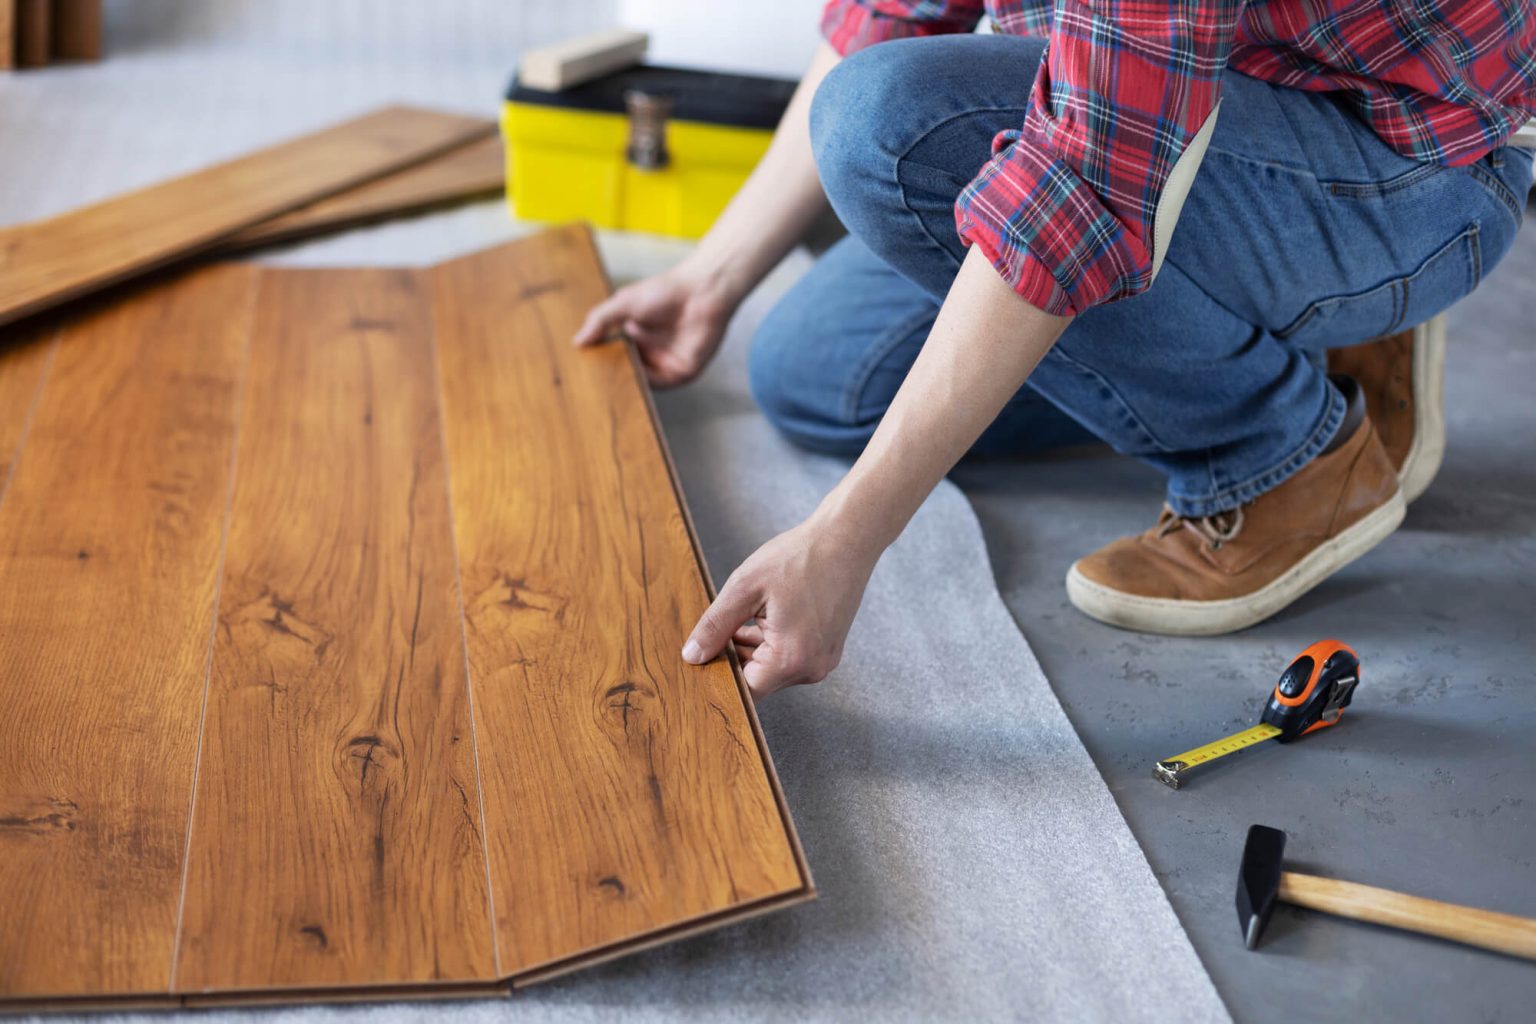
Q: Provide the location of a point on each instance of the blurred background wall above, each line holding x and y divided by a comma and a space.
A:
776, 37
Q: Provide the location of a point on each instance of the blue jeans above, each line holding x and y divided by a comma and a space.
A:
1302, 232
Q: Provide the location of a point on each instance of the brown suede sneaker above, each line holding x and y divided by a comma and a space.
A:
1200, 577
1403, 377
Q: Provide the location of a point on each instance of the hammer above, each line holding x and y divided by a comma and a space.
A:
1261, 883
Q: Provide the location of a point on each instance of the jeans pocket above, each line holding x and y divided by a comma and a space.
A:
1446, 276
1506, 175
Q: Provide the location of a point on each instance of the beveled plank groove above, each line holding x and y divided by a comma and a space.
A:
337, 839
625, 791
108, 546
470, 171
46, 262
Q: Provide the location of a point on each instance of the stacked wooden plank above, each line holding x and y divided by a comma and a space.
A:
46, 262
470, 171
340, 615
34, 33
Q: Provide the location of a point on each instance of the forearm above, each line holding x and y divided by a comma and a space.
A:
983, 346
776, 204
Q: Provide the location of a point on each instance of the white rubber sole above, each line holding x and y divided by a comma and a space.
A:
1428, 449
1210, 618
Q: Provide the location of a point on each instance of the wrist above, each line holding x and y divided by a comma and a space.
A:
855, 524
723, 277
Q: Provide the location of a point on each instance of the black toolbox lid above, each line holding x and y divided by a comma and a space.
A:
746, 101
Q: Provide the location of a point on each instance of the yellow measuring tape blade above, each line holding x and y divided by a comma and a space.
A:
1231, 745
1171, 770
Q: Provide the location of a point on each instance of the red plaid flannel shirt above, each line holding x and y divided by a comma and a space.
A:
1064, 208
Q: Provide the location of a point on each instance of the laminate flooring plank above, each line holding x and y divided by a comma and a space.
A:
626, 792
470, 171
110, 535
46, 262
24, 358
336, 837
77, 29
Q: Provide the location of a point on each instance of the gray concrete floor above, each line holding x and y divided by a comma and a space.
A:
1429, 783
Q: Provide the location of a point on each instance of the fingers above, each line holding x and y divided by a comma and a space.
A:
746, 641
603, 319
769, 670
738, 601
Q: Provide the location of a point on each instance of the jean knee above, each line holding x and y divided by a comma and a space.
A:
851, 135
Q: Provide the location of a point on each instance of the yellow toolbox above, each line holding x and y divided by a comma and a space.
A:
643, 149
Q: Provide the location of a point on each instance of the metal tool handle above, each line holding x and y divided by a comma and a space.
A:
648, 113
1488, 929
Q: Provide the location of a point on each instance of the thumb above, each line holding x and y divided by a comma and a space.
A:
735, 604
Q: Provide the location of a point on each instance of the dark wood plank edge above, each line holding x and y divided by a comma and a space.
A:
407, 992
672, 933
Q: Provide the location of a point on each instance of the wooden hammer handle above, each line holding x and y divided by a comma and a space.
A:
1505, 933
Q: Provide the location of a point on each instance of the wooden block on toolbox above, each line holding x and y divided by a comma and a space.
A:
574, 61
77, 29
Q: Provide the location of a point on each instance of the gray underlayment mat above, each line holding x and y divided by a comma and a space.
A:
971, 862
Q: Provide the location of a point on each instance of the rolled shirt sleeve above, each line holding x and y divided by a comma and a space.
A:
1066, 210
850, 25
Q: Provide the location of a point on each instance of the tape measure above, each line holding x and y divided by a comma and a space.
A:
1311, 694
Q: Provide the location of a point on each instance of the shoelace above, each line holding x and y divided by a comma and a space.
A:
1217, 529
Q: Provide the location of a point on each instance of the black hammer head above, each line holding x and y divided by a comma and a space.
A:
1258, 880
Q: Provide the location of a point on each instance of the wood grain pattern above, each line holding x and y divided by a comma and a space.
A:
625, 790
47, 262
34, 33
244, 757
25, 354
109, 542
469, 172
1486, 929
337, 839
77, 29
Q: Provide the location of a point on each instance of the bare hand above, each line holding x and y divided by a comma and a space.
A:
803, 588
676, 319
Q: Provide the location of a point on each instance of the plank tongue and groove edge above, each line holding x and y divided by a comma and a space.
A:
110, 533
470, 171
337, 837
628, 795
46, 262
